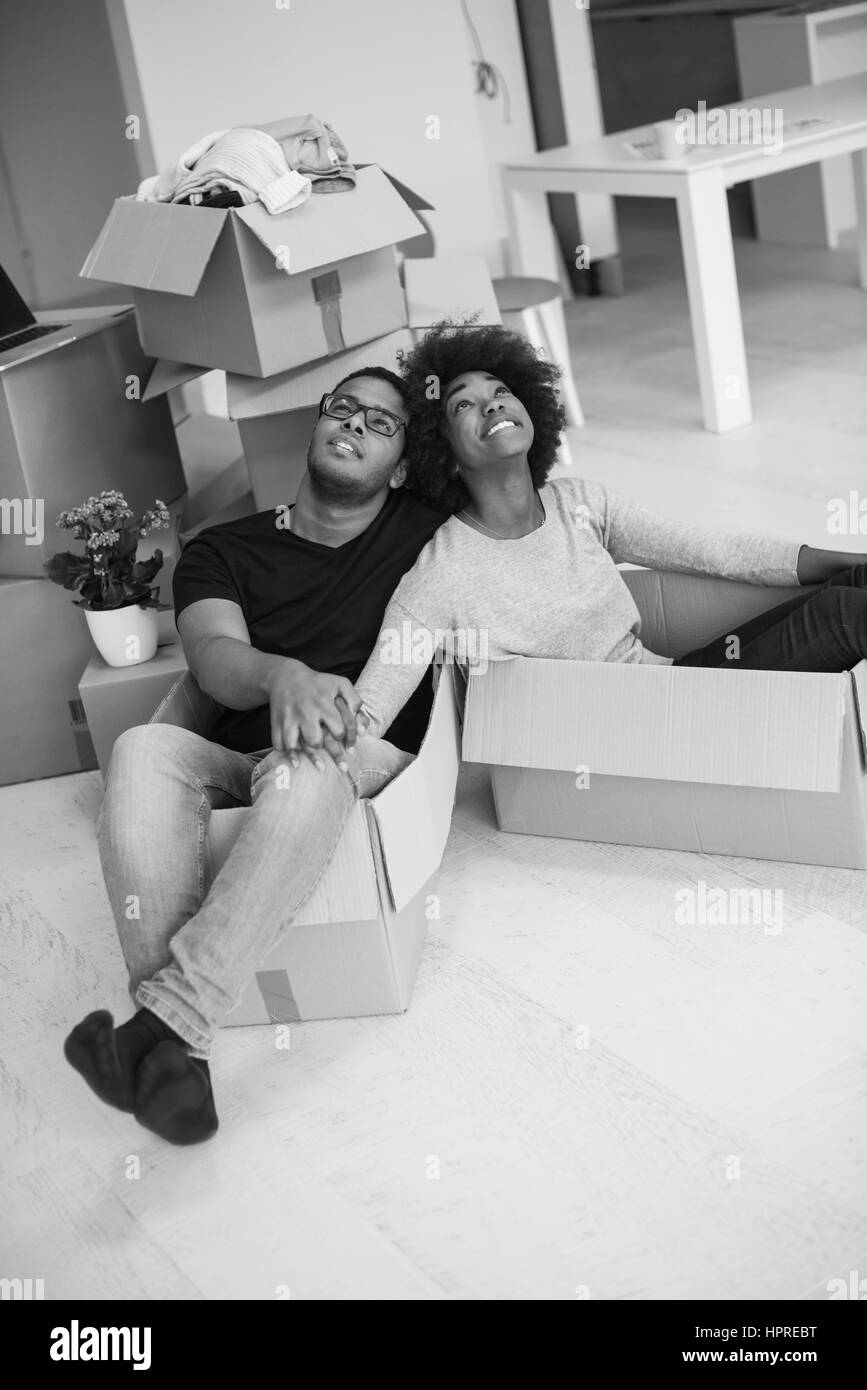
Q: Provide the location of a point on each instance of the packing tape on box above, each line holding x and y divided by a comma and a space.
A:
327, 292
277, 996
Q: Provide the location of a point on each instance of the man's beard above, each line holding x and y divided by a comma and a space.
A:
339, 489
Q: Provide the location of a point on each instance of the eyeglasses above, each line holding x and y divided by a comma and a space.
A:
376, 419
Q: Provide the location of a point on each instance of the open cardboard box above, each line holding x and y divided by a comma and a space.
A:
252, 292
355, 946
765, 764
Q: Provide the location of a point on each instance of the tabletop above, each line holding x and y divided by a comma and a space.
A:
811, 115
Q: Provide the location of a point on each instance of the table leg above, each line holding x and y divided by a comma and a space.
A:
714, 306
859, 172
531, 236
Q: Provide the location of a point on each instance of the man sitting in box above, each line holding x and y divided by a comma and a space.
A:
263, 606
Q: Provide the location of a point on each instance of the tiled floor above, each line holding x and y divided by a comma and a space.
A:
585, 1099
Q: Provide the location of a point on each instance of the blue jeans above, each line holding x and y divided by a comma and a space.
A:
824, 629
191, 941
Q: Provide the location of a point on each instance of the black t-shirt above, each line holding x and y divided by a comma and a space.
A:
320, 604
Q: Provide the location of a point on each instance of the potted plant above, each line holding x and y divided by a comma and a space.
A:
119, 598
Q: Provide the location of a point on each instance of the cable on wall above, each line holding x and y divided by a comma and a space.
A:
489, 79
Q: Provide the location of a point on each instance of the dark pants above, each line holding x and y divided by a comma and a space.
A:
823, 630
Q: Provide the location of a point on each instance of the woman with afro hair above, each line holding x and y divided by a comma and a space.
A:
527, 566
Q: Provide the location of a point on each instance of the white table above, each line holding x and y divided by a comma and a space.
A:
697, 180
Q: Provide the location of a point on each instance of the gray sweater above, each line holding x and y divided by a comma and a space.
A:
554, 593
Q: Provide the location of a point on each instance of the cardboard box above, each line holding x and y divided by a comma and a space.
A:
765, 764
276, 415
46, 644
214, 466
244, 505
68, 430
355, 946
116, 698
255, 293
448, 287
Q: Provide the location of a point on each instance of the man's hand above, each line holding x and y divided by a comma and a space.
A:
312, 712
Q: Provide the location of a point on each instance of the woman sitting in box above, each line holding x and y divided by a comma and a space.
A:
530, 566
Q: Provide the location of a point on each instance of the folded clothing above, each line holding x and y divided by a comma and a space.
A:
315, 150
253, 164
160, 188
245, 161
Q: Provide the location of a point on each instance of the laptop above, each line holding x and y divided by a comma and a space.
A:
21, 337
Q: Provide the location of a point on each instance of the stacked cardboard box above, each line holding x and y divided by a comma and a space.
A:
276, 414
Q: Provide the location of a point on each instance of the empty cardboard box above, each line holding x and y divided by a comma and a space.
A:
256, 293
764, 764
70, 427
355, 946
116, 698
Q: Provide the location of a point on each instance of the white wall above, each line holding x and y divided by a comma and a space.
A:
374, 69
64, 153
496, 25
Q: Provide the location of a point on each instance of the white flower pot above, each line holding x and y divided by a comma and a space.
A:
124, 636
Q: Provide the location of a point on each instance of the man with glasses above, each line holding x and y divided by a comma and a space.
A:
277, 614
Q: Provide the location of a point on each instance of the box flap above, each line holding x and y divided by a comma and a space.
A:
167, 375
779, 729
439, 287
680, 612
413, 813
155, 246
859, 681
250, 397
333, 227
412, 199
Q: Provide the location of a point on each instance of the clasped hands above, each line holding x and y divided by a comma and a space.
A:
313, 715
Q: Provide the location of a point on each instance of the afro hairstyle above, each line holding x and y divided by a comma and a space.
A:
446, 351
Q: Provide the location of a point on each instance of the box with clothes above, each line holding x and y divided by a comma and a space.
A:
254, 289
355, 946
765, 764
